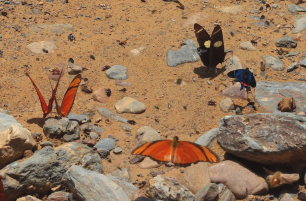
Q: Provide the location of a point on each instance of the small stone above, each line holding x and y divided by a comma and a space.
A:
274, 63
117, 72
100, 95
148, 163
247, 46
187, 53
227, 104
293, 66
292, 54
208, 137
130, 105
138, 51
287, 42
74, 69
286, 197
147, 134
118, 150
104, 146
300, 24
208, 193
303, 63
233, 63
80, 118
109, 114
42, 47
296, 8
235, 91
46, 143
287, 104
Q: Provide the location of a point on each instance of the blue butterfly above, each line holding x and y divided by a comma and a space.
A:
245, 77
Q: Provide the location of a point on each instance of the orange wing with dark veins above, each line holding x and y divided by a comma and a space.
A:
69, 97
177, 152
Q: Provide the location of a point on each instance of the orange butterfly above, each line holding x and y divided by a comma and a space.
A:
68, 99
175, 151
2, 197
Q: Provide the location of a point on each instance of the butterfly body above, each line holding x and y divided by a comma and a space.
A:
245, 77
67, 101
211, 48
175, 151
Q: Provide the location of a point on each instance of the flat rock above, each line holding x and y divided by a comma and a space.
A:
91, 185
269, 94
235, 91
187, 53
238, 179
196, 177
208, 137
266, 138
167, 188
147, 134
300, 24
247, 45
274, 63
288, 42
42, 47
14, 140
45, 168
52, 28
130, 105
111, 115
117, 72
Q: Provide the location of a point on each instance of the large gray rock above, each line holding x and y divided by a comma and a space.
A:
269, 94
104, 146
45, 169
187, 53
241, 181
167, 188
266, 138
14, 140
90, 185
57, 128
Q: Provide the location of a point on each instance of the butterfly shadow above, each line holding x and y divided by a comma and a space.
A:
38, 121
206, 72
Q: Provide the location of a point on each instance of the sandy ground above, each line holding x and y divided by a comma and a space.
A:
156, 25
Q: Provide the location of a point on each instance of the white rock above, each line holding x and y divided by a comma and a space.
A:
227, 104
42, 47
130, 105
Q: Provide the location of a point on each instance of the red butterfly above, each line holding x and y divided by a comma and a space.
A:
2, 196
68, 99
175, 151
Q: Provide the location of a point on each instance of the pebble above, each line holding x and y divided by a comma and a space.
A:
80, 118
296, 8
300, 24
247, 46
148, 163
138, 51
208, 137
147, 134
227, 104
288, 42
104, 146
42, 47
233, 63
187, 53
100, 95
293, 66
109, 114
292, 54
46, 143
74, 69
130, 105
235, 91
118, 150
273, 62
303, 63
117, 72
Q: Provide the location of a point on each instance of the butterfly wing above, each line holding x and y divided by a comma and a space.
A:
69, 96
160, 150
244, 76
2, 196
188, 152
45, 108
216, 52
202, 38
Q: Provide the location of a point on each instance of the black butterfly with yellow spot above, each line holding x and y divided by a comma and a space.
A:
211, 48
